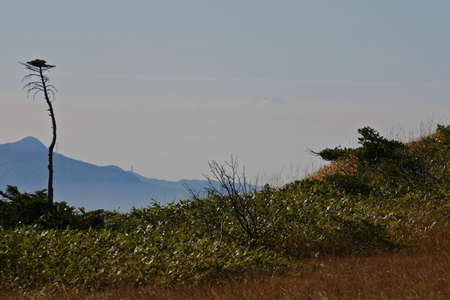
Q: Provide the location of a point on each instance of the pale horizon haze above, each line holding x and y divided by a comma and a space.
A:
166, 86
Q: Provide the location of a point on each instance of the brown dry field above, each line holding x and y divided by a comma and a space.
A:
420, 271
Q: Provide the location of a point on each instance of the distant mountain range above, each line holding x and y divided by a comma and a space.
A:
24, 164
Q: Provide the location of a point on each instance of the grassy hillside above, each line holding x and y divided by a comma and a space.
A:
382, 197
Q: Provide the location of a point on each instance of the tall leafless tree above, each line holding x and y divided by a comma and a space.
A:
37, 82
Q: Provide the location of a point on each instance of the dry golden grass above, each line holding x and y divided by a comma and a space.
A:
342, 166
421, 271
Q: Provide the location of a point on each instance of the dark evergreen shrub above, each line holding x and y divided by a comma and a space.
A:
349, 184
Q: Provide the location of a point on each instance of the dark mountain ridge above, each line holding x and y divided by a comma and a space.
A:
24, 164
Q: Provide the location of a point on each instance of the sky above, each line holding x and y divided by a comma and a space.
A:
166, 86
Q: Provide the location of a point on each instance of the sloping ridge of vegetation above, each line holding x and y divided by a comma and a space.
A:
380, 196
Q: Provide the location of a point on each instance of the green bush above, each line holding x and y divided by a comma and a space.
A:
34, 258
18, 209
349, 184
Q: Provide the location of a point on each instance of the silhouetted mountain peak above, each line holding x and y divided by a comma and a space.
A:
24, 164
29, 143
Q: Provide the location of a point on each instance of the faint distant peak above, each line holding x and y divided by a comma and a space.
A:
28, 143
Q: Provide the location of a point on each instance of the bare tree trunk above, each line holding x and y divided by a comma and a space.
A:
52, 144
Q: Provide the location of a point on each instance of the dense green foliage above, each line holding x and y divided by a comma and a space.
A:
387, 192
31, 257
18, 208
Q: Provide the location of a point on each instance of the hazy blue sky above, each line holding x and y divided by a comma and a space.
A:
167, 86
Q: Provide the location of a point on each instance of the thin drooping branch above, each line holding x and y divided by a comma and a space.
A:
39, 83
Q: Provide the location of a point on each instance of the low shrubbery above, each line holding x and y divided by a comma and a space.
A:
387, 192
18, 208
35, 258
